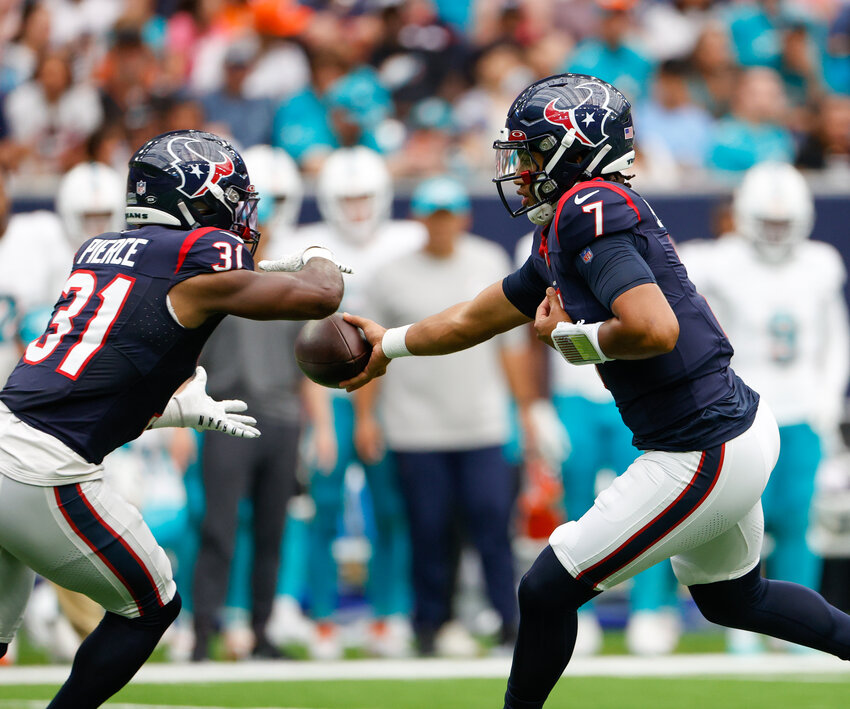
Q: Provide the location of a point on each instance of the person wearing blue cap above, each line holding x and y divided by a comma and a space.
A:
446, 422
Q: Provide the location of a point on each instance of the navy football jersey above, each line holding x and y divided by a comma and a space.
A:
604, 240
113, 355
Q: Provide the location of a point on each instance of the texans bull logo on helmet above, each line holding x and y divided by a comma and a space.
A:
200, 164
588, 118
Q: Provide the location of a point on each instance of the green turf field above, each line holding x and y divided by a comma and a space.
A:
781, 690
594, 693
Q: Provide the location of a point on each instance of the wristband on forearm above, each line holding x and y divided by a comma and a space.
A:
316, 252
578, 343
172, 416
393, 344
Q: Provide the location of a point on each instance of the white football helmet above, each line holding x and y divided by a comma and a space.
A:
91, 201
355, 192
774, 209
276, 177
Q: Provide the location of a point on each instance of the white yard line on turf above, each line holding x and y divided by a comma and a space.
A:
769, 665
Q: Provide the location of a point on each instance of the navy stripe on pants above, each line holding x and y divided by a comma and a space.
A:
695, 492
110, 547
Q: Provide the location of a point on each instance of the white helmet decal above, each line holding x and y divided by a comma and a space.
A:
586, 120
197, 171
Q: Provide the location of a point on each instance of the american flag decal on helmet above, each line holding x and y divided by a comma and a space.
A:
628, 132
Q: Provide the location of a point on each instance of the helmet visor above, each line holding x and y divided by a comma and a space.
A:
245, 219
514, 162
516, 170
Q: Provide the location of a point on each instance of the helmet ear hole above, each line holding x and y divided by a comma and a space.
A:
577, 157
202, 207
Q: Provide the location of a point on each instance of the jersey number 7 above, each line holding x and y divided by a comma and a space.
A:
93, 332
596, 208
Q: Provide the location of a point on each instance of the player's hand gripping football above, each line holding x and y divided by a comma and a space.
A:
549, 314
377, 364
192, 407
295, 262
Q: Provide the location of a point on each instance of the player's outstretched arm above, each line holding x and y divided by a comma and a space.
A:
456, 328
313, 292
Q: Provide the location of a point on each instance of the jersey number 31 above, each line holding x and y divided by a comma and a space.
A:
93, 333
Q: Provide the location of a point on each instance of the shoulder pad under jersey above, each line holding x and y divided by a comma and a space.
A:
211, 250
592, 209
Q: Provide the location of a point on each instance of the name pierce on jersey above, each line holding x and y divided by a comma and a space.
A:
119, 252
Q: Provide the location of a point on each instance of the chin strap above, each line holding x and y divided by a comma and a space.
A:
541, 215
187, 215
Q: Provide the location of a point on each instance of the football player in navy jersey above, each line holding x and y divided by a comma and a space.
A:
125, 333
604, 286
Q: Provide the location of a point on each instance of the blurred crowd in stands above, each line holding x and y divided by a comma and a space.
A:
716, 85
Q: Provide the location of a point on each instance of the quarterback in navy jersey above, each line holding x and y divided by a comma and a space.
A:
119, 356
605, 287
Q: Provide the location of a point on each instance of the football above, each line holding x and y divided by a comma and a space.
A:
330, 351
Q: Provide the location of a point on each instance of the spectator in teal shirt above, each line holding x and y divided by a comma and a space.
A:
756, 29
780, 36
341, 108
837, 61
610, 57
754, 130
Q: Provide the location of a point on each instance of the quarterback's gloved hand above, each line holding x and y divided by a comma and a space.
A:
193, 407
295, 262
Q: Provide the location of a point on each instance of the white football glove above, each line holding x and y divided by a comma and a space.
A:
553, 441
295, 262
193, 407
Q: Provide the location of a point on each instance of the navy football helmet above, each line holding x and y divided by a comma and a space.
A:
578, 125
189, 179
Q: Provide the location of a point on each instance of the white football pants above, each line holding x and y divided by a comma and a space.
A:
82, 536
701, 508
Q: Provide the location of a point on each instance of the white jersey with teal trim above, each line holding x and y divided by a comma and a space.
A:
787, 322
35, 259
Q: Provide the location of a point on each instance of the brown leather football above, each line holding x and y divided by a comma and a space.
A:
331, 351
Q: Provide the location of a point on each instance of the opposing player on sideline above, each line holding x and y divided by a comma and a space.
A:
125, 333
604, 286
780, 298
